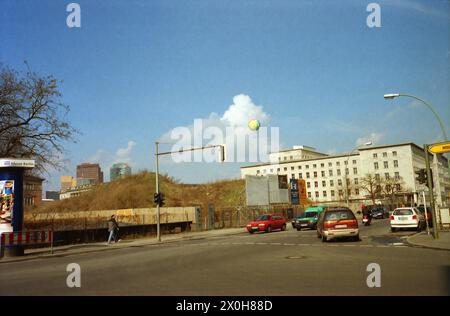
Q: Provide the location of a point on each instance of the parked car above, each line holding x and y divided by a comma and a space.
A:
309, 218
337, 222
407, 217
429, 216
267, 223
379, 212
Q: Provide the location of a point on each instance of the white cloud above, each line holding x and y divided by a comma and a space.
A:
242, 110
375, 138
237, 115
223, 128
124, 154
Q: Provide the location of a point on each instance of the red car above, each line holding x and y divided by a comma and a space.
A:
267, 223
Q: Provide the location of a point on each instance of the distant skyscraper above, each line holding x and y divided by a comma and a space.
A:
90, 171
119, 170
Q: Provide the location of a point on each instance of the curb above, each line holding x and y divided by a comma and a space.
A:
414, 244
46, 254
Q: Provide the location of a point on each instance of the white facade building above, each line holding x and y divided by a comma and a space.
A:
326, 175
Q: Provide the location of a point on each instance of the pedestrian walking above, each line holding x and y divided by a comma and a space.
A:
113, 229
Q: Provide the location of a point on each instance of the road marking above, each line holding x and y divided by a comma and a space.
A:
285, 244
397, 244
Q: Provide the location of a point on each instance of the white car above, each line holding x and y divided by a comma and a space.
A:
407, 217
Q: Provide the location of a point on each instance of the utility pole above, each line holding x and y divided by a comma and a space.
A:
430, 190
158, 222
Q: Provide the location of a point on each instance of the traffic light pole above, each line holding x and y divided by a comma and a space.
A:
158, 222
157, 154
430, 190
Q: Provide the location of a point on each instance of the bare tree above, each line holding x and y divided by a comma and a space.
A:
391, 187
372, 185
346, 187
32, 118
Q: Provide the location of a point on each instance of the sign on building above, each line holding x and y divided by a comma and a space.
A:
295, 193
265, 190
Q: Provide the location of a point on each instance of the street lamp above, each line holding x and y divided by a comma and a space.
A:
391, 96
347, 168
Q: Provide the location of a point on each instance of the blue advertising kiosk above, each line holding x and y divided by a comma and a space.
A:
11, 198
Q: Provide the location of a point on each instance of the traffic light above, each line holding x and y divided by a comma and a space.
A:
158, 199
422, 176
222, 153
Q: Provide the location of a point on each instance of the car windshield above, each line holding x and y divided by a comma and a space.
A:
263, 218
404, 211
310, 214
338, 215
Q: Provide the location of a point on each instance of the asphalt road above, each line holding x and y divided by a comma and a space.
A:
277, 263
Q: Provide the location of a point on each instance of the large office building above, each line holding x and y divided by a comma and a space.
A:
119, 171
32, 191
90, 171
336, 178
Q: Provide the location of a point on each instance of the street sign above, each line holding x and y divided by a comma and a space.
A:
295, 196
439, 148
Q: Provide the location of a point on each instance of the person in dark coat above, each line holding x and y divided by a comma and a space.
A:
113, 229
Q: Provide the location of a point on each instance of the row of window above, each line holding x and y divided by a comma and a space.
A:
332, 193
349, 192
314, 174
29, 200
330, 171
385, 154
322, 165
387, 176
385, 164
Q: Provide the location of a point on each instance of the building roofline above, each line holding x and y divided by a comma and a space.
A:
295, 149
392, 145
298, 160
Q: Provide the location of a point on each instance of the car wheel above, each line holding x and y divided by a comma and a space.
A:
356, 238
318, 235
251, 231
393, 229
419, 227
269, 229
324, 238
299, 229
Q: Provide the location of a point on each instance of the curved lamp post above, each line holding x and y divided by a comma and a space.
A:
347, 168
391, 96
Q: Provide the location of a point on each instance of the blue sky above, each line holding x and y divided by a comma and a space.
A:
137, 69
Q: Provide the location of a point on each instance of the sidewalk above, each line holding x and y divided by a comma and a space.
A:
59, 251
424, 240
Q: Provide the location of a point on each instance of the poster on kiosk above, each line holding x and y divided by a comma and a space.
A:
11, 193
6, 205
